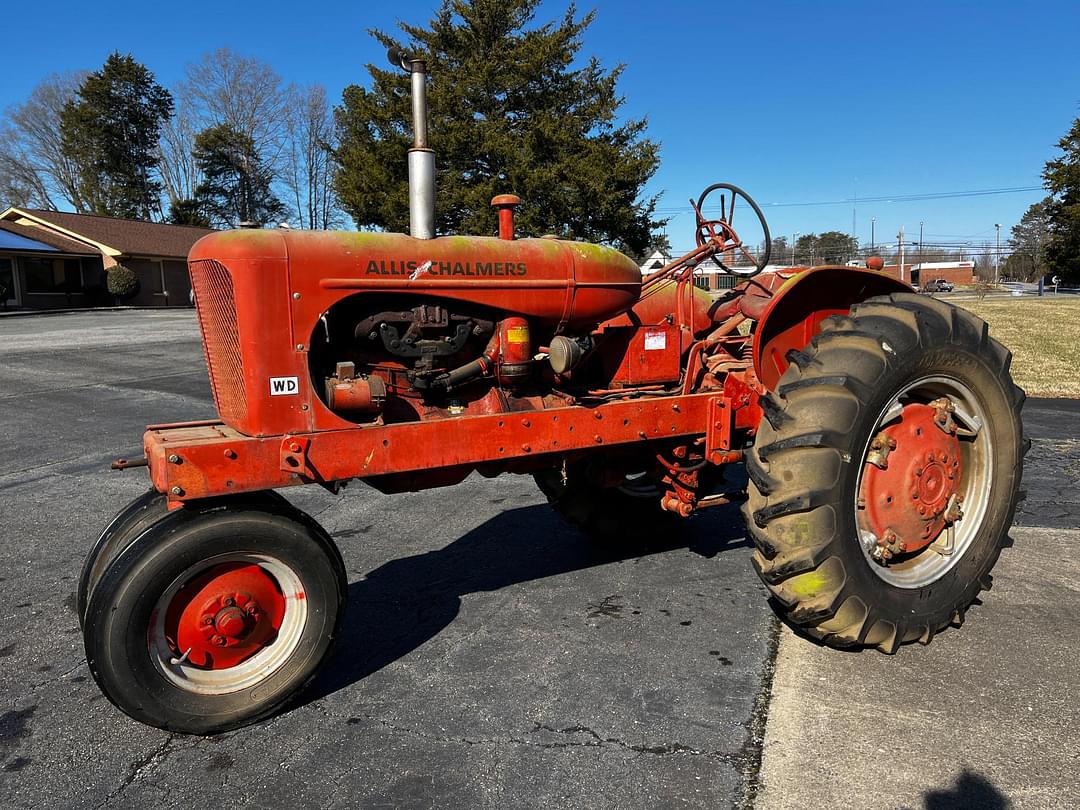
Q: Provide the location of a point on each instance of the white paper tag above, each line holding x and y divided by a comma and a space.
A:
284, 386
655, 340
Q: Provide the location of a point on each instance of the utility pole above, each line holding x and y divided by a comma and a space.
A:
920, 244
794, 239
873, 221
900, 245
854, 207
997, 252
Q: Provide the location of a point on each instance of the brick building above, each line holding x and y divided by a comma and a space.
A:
55, 259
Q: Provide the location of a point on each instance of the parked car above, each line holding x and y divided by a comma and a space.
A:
938, 285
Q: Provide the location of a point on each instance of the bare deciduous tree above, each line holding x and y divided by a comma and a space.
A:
307, 170
240, 91
179, 171
33, 167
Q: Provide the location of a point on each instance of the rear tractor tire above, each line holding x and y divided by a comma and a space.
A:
885, 473
212, 616
629, 512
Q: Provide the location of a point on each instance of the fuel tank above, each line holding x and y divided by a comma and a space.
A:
559, 283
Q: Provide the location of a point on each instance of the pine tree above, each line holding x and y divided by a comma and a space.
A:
509, 114
1062, 178
236, 182
109, 132
1030, 237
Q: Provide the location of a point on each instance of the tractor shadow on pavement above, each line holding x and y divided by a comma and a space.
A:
406, 602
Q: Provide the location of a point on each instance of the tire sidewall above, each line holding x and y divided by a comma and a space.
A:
123, 604
961, 582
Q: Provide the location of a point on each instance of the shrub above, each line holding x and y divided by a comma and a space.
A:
122, 281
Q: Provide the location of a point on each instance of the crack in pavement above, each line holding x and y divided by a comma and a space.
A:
593, 740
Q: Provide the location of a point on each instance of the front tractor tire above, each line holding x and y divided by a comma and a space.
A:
214, 615
885, 473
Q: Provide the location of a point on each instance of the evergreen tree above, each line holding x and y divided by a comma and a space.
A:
1062, 178
836, 247
236, 182
188, 212
1029, 241
109, 132
508, 115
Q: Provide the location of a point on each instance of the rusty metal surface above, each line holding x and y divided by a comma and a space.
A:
216, 459
794, 313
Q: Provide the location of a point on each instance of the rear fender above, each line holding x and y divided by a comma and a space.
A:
795, 313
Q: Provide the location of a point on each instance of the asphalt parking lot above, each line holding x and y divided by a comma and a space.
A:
493, 657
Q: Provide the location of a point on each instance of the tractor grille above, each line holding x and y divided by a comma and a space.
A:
217, 317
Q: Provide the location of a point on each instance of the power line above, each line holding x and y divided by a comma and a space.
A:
885, 198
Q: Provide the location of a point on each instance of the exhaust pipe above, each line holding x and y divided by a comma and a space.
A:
421, 157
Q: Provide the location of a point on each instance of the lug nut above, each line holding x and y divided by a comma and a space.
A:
208, 620
177, 491
174, 459
228, 601
218, 641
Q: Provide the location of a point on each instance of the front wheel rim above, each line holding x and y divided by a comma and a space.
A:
228, 623
901, 473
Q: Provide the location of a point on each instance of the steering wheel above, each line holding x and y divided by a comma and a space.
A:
720, 232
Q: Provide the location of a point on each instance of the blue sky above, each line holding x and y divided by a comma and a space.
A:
796, 102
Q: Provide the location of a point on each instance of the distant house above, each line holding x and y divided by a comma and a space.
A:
653, 262
55, 259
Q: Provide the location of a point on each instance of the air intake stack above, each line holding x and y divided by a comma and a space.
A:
421, 157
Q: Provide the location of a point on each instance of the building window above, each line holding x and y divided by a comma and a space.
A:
7, 280
51, 275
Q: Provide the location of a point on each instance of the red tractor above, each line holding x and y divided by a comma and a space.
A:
880, 433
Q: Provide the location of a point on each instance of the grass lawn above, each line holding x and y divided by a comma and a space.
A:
1044, 336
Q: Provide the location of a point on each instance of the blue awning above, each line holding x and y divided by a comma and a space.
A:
12, 241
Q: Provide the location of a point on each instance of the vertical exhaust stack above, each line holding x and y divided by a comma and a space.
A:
421, 157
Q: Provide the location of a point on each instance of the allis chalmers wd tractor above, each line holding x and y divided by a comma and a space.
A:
880, 432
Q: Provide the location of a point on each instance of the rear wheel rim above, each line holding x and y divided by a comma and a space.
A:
257, 632
928, 563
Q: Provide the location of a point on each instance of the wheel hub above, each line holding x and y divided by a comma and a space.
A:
224, 616
912, 480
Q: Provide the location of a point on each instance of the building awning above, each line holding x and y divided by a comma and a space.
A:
12, 241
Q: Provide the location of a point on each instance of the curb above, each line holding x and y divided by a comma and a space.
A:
23, 313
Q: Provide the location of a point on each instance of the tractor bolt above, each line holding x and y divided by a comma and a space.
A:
526, 448
930, 456
218, 641
228, 601
676, 408
174, 459
177, 491
230, 454
294, 447
598, 415
296, 296
680, 452
861, 502
526, 423
915, 495
922, 510
598, 439
299, 347
208, 620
